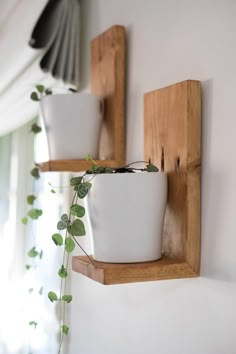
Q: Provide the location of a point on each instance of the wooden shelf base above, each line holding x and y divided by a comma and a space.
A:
72, 165
117, 273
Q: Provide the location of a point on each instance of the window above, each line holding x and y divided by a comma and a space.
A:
23, 298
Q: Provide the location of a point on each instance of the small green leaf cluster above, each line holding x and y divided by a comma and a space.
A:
35, 255
150, 167
96, 169
33, 213
76, 228
40, 92
33, 323
40, 291
35, 172
35, 128
53, 297
73, 226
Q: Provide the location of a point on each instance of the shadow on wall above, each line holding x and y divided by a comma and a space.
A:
86, 9
213, 263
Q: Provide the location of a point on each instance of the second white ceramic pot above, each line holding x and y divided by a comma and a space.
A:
126, 212
72, 123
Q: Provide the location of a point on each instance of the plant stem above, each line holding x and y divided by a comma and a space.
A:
60, 313
133, 163
91, 260
63, 281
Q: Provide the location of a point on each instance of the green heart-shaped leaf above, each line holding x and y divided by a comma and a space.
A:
88, 157
40, 88
62, 272
33, 253
24, 220
63, 223
52, 296
65, 218
65, 329
77, 228
35, 213
57, 239
48, 92
75, 181
151, 168
35, 128
33, 323
83, 189
31, 199
69, 245
67, 298
77, 210
35, 173
34, 96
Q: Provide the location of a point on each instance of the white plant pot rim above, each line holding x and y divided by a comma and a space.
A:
125, 174
69, 96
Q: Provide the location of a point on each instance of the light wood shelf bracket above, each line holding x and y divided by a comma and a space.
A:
107, 79
172, 131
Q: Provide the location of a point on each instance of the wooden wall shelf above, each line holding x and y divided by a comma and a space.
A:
107, 79
73, 165
112, 273
172, 131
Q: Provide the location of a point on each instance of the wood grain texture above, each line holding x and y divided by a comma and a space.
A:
108, 81
112, 273
73, 165
107, 68
172, 130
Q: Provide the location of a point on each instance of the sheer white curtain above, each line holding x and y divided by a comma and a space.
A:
20, 298
15, 160
19, 69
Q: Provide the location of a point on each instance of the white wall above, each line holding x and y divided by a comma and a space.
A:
170, 41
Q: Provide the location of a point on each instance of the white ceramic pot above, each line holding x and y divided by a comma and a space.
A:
126, 213
72, 123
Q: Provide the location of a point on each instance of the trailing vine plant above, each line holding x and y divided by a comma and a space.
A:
34, 254
73, 226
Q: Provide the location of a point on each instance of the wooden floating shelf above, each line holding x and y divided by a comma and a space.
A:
113, 273
107, 72
73, 165
172, 132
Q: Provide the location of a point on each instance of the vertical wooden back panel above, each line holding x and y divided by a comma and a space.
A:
108, 81
172, 126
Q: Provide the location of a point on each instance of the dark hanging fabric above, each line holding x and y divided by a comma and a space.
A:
57, 33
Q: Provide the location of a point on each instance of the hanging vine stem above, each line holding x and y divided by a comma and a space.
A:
74, 227
64, 280
34, 255
86, 254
